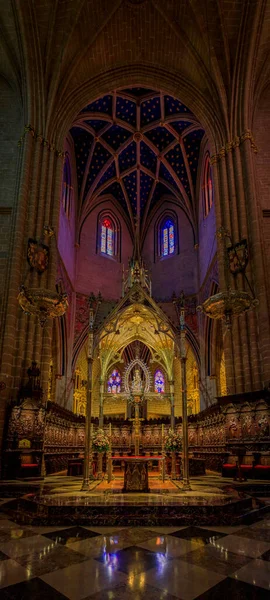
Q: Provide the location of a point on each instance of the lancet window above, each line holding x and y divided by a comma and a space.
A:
66, 190
168, 238
159, 382
114, 382
108, 238
207, 187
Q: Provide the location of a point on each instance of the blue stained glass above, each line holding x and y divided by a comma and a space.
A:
165, 241
168, 238
103, 239
171, 239
110, 242
159, 382
114, 383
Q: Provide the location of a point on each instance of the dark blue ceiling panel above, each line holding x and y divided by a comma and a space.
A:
115, 190
110, 173
148, 157
99, 160
164, 174
150, 111
102, 105
116, 136
97, 124
160, 137
175, 159
130, 183
192, 144
82, 144
174, 107
146, 183
126, 110
160, 190
127, 158
180, 126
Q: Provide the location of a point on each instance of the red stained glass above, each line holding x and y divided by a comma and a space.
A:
107, 223
107, 237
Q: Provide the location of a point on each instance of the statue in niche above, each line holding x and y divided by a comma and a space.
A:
263, 426
191, 437
247, 425
233, 427
137, 384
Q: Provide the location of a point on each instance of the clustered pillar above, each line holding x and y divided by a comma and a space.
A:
246, 353
39, 183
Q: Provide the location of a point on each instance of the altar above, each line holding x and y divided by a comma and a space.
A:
136, 471
136, 474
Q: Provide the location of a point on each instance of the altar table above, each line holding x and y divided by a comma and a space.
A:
136, 471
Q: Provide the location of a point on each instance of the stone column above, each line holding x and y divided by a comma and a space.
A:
186, 484
36, 192
260, 359
171, 383
101, 400
220, 200
87, 467
100, 460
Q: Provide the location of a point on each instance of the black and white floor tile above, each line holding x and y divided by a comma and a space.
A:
128, 563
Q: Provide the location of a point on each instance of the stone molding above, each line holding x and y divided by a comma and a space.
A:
235, 143
40, 138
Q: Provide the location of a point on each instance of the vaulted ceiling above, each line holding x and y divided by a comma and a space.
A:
137, 145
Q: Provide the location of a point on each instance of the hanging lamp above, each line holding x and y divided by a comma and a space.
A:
231, 302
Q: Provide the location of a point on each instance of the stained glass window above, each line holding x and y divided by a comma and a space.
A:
107, 237
114, 382
168, 238
207, 187
159, 382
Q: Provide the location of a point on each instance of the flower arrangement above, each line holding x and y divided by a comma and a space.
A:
100, 441
173, 441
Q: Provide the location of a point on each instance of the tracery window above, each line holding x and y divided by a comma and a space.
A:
166, 235
168, 238
114, 383
159, 382
107, 237
207, 187
66, 189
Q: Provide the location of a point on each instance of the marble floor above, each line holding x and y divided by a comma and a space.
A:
134, 563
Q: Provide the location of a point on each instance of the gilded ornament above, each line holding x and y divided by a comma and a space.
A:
228, 304
42, 303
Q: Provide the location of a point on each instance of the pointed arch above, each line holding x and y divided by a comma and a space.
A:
166, 235
207, 186
108, 235
67, 187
